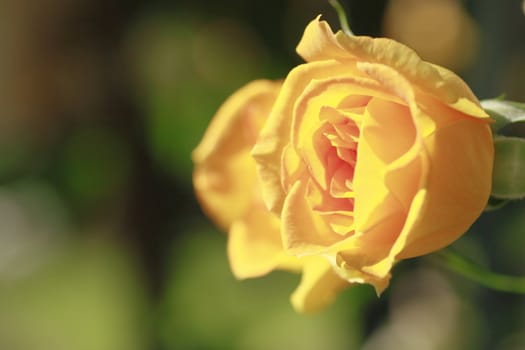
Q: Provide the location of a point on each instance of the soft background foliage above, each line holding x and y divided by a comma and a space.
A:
102, 244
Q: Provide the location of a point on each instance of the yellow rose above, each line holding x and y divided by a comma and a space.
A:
371, 155
227, 187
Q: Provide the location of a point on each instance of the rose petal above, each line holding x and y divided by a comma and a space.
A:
316, 96
352, 265
432, 79
319, 286
373, 199
222, 135
217, 185
223, 153
357, 255
304, 231
455, 191
318, 43
255, 248
275, 135
403, 154
463, 100
389, 172
382, 268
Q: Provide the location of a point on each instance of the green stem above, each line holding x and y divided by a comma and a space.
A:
342, 16
474, 272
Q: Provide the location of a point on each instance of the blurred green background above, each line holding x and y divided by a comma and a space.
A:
102, 243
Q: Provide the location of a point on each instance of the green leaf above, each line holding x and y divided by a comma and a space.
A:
504, 112
508, 179
495, 203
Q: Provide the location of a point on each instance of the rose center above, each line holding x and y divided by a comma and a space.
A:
337, 143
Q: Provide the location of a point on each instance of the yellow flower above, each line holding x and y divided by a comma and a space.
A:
227, 187
371, 155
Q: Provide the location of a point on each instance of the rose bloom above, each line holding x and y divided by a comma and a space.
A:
371, 155
367, 155
227, 187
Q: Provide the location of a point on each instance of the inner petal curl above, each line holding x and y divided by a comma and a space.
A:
336, 142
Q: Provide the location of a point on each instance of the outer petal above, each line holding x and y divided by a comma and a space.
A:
223, 153
254, 245
457, 188
319, 43
437, 81
319, 285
